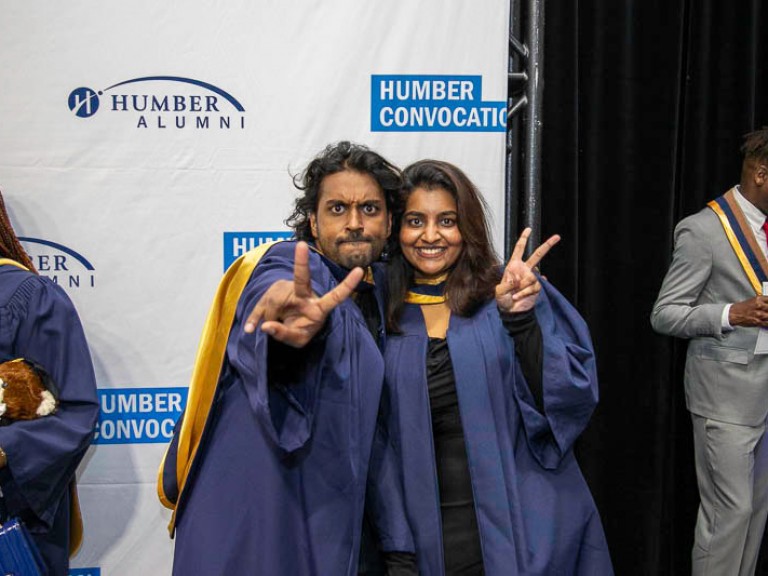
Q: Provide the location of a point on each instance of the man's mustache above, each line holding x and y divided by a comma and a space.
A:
354, 237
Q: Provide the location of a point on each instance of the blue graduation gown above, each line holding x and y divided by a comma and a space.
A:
38, 322
535, 513
279, 480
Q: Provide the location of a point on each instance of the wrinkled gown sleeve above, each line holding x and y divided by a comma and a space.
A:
40, 323
569, 389
385, 501
282, 382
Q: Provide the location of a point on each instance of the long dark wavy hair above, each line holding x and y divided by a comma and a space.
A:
9, 243
474, 277
338, 158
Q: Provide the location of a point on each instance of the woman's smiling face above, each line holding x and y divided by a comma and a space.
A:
429, 234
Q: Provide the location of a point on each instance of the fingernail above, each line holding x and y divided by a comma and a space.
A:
249, 327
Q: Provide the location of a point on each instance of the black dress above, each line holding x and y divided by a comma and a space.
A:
461, 539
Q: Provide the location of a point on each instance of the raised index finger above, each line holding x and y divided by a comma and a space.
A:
302, 284
519, 250
541, 251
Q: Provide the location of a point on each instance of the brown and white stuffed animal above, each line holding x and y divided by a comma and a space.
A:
23, 394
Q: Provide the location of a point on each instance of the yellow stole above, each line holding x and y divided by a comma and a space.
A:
10, 262
205, 376
429, 294
427, 291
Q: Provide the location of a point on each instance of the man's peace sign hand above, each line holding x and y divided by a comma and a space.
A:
290, 312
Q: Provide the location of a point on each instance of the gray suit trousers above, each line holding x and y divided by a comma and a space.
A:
732, 472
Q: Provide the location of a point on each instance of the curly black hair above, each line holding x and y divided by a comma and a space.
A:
755, 145
338, 158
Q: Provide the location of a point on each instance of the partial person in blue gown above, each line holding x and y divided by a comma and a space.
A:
492, 378
268, 468
39, 457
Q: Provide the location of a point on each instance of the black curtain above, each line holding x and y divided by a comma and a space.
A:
645, 106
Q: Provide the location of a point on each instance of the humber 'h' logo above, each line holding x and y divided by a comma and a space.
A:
161, 109
84, 102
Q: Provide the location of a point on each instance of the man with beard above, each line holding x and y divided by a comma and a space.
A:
267, 469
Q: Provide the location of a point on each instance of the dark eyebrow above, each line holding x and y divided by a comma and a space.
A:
439, 214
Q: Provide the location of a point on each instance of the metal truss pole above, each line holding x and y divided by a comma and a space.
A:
524, 98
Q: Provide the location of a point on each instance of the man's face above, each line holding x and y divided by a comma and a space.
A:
351, 224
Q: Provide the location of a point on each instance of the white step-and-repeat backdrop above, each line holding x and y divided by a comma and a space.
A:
144, 145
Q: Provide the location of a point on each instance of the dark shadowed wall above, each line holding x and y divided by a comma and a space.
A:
645, 104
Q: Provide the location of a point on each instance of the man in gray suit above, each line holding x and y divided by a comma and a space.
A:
713, 295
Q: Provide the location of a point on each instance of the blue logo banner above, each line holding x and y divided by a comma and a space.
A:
85, 572
138, 415
238, 243
433, 103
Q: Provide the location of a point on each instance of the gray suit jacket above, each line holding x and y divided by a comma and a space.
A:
724, 379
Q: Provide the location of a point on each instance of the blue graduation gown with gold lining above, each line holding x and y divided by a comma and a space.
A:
38, 322
535, 513
279, 480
